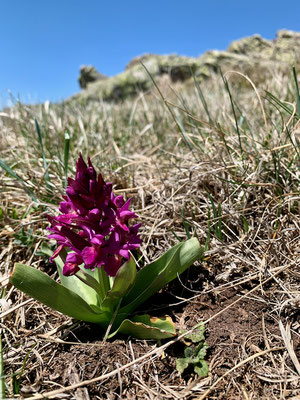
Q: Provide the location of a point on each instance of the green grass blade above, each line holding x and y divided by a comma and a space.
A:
17, 376
18, 178
297, 90
66, 155
176, 119
185, 225
234, 113
183, 133
202, 98
281, 104
2, 380
217, 213
11, 172
40, 139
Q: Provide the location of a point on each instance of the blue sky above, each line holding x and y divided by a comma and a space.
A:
43, 43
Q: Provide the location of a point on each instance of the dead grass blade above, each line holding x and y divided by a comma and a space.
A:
286, 336
240, 364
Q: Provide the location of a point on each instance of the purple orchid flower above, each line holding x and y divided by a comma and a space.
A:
93, 224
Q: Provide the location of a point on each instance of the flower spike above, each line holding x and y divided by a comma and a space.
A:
93, 224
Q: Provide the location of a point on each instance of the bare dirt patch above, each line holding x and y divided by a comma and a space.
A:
234, 333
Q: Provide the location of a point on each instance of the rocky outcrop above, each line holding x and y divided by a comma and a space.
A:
88, 74
285, 47
136, 78
254, 46
251, 55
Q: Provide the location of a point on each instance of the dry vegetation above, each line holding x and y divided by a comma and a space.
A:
229, 175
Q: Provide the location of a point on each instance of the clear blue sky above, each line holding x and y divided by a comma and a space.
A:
44, 42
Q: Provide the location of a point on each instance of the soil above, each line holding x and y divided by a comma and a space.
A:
233, 335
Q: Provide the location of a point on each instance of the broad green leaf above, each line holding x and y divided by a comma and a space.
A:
196, 336
104, 284
88, 279
146, 327
202, 369
196, 353
202, 350
44, 289
72, 282
181, 364
194, 356
157, 274
122, 283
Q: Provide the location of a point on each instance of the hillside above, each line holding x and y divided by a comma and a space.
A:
253, 56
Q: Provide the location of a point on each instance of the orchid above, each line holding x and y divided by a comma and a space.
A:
93, 224
99, 282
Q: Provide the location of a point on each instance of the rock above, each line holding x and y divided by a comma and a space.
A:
137, 60
179, 68
252, 46
135, 78
287, 46
89, 74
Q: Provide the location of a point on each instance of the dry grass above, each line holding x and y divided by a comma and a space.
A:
237, 189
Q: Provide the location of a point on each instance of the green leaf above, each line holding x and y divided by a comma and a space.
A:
122, 283
196, 336
181, 364
202, 369
194, 356
157, 274
202, 350
146, 327
44, 289
88, 280
72, 282
196, 353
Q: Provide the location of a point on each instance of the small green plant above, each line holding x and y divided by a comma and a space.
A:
217, 224
24, 238
16, 376
194, 353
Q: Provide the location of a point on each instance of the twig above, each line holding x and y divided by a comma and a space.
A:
240, 364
